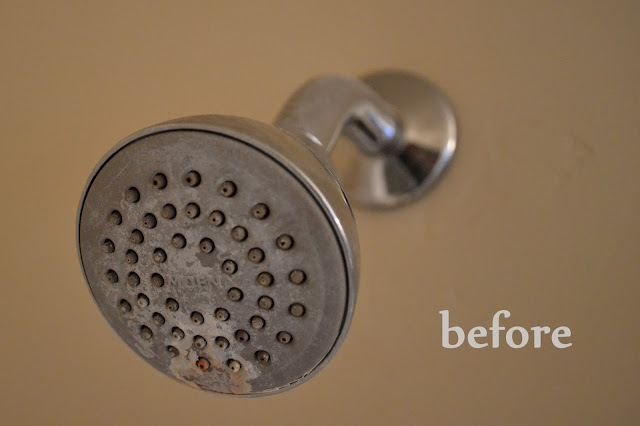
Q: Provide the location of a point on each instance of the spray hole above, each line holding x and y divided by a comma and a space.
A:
157, 280
131, 257
115, 218
216, 218
260, 211
158, 319
111, 276
192, 210
262, 356
284, 337
108, 246
173, 351
235, 294
146, 332
297, 276
178, 241
203, 364
199, 342
255, 255
284, 242
168, 211
234, 365
222, 314
171, 305
206, 245
143, 300
136, 237
229, 267
197, 318
133, 279
228, 189
297, 309
124, 306
159, 255
159, 181
149, 221
257, 322
177, 333
265, 302
242, 336
239, 233
222, 342
132, 195
265, 279
192, 178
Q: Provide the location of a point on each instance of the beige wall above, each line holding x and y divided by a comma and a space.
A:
539, 214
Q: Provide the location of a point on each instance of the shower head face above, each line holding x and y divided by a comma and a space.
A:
214, 262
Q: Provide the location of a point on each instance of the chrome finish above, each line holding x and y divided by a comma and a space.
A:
402, 126
326, 106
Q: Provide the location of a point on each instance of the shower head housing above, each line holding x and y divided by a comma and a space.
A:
224, 252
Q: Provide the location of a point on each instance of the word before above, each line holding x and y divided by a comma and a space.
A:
477, 333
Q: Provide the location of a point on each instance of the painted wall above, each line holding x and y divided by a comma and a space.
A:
539, 213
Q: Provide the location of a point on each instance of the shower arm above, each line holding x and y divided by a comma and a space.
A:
328, 106
403, 126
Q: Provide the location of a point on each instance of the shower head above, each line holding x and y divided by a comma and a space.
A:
224, 252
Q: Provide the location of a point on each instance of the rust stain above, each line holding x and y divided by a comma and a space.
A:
203, 364
202, 373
